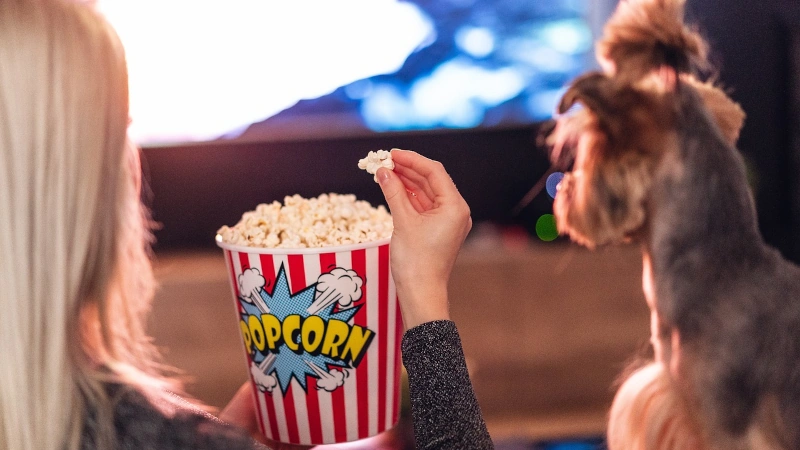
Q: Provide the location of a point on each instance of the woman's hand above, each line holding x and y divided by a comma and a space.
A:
241, 412
431, 221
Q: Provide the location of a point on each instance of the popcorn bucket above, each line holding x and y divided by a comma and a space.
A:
321, 329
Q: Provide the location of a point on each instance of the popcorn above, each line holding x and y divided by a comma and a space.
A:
376, 160
324, 221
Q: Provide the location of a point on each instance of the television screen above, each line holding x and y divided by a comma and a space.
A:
254, 70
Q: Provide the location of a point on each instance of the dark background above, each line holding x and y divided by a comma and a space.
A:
755, 46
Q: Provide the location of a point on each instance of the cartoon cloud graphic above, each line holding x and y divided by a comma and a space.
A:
328, 381
265, 383
251, 283
339, 285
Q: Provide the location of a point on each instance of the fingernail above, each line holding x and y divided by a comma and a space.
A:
383, 174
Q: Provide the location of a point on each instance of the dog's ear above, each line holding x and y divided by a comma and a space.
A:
623, 133
604, 202
592, 89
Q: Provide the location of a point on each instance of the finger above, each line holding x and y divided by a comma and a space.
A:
418, 193
419, 182
414, 199
433, 171
395, 193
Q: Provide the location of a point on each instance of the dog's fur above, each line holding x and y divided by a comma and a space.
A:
655, 162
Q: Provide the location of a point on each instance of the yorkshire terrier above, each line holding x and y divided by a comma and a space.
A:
654, 162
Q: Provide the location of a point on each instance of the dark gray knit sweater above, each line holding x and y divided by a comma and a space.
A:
443, 404
140, 425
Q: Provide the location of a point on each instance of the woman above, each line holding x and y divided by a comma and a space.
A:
77, 369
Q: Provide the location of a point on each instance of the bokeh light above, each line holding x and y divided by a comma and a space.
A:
552, 183
476, 41
546, 228
455, 95
570, 36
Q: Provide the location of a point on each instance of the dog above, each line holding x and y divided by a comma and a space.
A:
654, 162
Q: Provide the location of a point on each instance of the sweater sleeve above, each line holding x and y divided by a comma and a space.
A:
444, 409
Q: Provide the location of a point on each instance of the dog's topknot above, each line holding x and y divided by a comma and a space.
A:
643, 35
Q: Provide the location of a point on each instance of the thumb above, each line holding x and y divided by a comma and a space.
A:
394, 191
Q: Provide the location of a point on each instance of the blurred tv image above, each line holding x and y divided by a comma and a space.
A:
271, 71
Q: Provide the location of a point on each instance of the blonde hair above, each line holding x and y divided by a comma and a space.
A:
647, 414
75, 275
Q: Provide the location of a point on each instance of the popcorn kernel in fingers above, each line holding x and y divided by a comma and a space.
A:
376, 160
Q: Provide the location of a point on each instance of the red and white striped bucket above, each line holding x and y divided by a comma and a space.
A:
321, 329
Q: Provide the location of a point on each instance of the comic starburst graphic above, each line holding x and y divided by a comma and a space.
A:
282, 303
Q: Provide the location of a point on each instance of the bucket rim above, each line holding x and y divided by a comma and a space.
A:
299, 251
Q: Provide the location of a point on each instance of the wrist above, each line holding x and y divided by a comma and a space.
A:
423, 303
